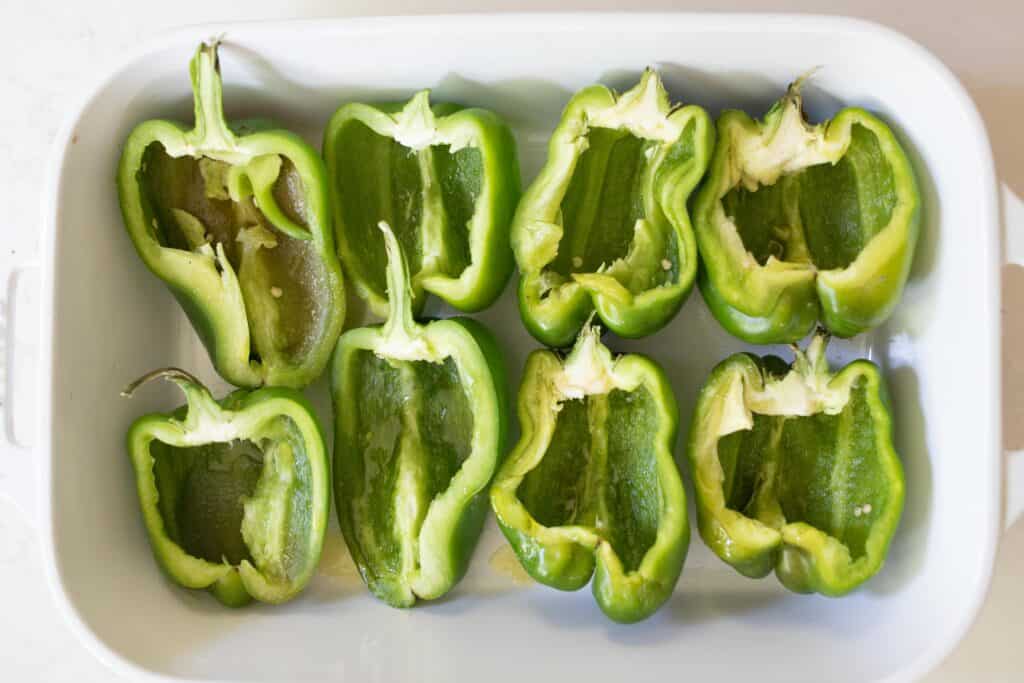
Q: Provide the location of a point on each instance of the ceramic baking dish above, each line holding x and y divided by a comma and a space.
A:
106, 320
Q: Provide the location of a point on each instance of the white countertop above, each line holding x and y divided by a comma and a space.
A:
49, 49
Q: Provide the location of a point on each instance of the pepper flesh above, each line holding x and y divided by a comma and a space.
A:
234, 494
605, 225
592, 489
420, 424
797, 223
446, 179
235, 219
795, 471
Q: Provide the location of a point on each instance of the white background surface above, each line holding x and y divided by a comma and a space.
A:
51, 51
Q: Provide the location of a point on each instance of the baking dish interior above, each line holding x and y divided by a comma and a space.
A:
112, 321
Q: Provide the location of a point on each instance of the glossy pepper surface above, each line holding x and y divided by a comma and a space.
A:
591, 489
605, 227
234, 494
799, 223
235, 219
795, 469
446, 179
420, 422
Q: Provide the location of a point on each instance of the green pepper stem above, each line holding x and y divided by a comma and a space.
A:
588, 341
400, 320
211, 129
811, 362
649, 94
201, 404
643, 110
176, 375
795, 86
775, 116
589, 369
415, 125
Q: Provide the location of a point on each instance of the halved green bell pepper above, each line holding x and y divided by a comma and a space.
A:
235, 219
605, 226
795, 469
592, 489
797, 223
234, 494
446, 179
420, 423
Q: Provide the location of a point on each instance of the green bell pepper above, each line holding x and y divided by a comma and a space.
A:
797, 223
446, 179
234, 494
236, 221
605, 226
795, 469
592, 489
420, 422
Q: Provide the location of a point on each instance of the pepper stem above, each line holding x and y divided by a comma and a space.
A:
176, 375
793, 90
201, 405
589, 368
588, 349
647, 95
811, 362
792, 101
415, 125
211, 130
644, 110
400, 320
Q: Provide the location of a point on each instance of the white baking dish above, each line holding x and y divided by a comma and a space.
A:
105, 320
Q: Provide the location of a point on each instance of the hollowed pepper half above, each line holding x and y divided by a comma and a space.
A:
234, 494
795, 469
591, 489
604, 227
235, 219
420, 422
446, 179
799, 223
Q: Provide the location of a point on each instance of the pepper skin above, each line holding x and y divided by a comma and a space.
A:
795, 469
605, 226
798, 223
592, 489
446, 179
235, 219
234, 494
420, 423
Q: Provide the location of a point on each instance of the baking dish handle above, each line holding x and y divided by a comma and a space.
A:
19, 334
1013, 251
